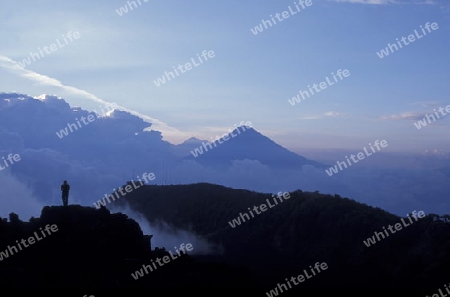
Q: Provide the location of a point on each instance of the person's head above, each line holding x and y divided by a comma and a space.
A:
65, 182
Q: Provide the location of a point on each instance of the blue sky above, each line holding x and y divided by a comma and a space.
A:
251, 77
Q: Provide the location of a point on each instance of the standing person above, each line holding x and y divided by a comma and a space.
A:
65, 187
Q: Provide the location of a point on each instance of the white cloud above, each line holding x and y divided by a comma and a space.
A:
332, 113
324, 115
408, 116
17, 197
169, 133
427, 103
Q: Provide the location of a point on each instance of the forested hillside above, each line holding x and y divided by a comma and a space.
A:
302, 230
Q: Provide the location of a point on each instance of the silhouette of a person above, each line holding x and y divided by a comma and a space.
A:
65, 187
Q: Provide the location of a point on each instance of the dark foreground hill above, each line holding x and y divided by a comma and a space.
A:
82, 250
307, 228
92, 250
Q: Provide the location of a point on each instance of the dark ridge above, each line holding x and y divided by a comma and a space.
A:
94, 249
302, 230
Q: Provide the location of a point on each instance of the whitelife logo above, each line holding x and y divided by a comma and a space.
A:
319, 267
263, 207
128, 189
398, 227
53, 48
411, 38
323, 85
9, 160
423, 123
198, 151
360, 155
124, 9
285, 14
11, 250
188, 66
441, 294
90, 118
166, 259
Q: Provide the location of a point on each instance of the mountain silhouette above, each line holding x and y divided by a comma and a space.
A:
250, 144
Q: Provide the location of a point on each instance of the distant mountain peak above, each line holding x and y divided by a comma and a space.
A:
192, 139
246, 143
